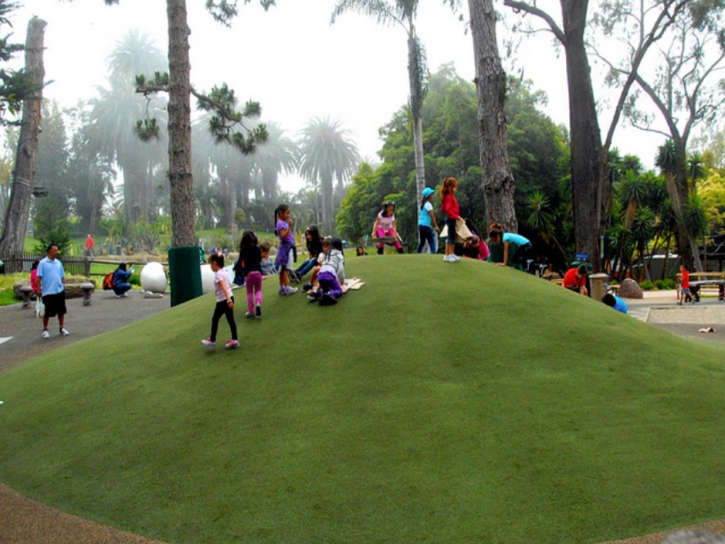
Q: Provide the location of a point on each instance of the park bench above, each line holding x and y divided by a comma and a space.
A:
697, 284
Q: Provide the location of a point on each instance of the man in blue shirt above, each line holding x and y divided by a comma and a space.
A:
52, 289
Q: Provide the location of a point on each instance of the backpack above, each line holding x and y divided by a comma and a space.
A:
108, 282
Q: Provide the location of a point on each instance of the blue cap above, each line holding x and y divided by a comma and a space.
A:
427, 192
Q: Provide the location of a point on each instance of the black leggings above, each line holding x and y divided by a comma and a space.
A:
222, 308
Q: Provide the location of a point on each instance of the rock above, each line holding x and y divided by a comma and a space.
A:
693, 537
629, 289
153, 278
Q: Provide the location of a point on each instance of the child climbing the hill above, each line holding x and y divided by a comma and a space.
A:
224, 304
285, 257
449, 206
427, 222
331, 274
385, 227
250, 258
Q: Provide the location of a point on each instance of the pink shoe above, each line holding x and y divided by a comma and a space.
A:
232, 344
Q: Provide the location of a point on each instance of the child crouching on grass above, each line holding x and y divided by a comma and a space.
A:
224, 304
331, 274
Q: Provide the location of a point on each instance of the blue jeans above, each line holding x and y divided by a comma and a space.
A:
306, 266
451, 224
427, 234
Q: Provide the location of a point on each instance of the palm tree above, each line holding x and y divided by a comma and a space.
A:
403, 13
114, 116
326, 154
278, 154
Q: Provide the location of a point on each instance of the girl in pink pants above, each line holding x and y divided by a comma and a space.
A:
385, 227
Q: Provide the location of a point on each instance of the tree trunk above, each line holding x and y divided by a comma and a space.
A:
497, 179
16, 217
416, 103
180, 179
587, 166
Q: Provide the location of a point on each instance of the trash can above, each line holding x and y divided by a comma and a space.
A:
184, 274
597, 283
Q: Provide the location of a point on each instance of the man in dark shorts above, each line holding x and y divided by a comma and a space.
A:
52, 289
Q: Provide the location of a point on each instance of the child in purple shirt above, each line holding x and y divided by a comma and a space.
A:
285, 259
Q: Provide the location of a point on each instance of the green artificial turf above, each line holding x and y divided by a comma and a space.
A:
440, 403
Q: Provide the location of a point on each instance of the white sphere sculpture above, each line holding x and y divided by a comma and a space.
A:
207, 278
153, 278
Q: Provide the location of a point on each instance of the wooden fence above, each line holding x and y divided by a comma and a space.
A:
23, 262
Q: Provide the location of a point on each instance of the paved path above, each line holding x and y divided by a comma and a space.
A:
23, 521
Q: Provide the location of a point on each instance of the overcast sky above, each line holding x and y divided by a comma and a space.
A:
290, 59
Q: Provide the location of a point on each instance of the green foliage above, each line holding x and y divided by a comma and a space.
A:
435, 441
60, 236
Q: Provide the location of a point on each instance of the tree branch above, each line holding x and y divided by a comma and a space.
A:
537, 12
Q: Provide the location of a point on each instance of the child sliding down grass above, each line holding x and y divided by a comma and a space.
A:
224, 304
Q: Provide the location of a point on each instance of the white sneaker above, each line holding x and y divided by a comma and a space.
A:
454, 258
64, 332
45, 334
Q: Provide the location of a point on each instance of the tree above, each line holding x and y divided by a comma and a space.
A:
326, 154
15, 85
16, 217
590, 183
497, 179
403, 13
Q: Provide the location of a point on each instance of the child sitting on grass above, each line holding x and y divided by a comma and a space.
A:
267, 264
331, 275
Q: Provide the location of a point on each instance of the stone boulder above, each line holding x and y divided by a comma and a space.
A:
629, 289
72, 288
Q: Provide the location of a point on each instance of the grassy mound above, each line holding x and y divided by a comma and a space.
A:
440, 403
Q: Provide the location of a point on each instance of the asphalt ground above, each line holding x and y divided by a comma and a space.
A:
24, 521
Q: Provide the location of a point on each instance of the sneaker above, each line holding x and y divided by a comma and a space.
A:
64, 332
293, 276
231, 344
327, 300
258, 310
454, 258
289, 291
249, 315
313, 296
45, 334
208, 343
306, 287
446, 259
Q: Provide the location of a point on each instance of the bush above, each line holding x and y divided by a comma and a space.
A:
667, 283
647, 285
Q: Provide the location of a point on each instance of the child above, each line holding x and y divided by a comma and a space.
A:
385, 227
35, 284
684, 277
250, 258
331, 274
267, 264
313, 240
475, 248
449, 206
510, 246
575, 280
427, 222
285, 257
224, 304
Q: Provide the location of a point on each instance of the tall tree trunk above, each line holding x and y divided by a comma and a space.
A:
497, 179
416, 104
180, 179
587, 165
16, 217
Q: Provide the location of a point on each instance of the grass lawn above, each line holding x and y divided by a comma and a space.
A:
440, 403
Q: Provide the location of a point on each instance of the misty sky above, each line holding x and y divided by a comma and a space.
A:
290, 60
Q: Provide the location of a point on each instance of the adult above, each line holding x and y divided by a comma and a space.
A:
52, 290
90, 245
575, 279
120, 280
